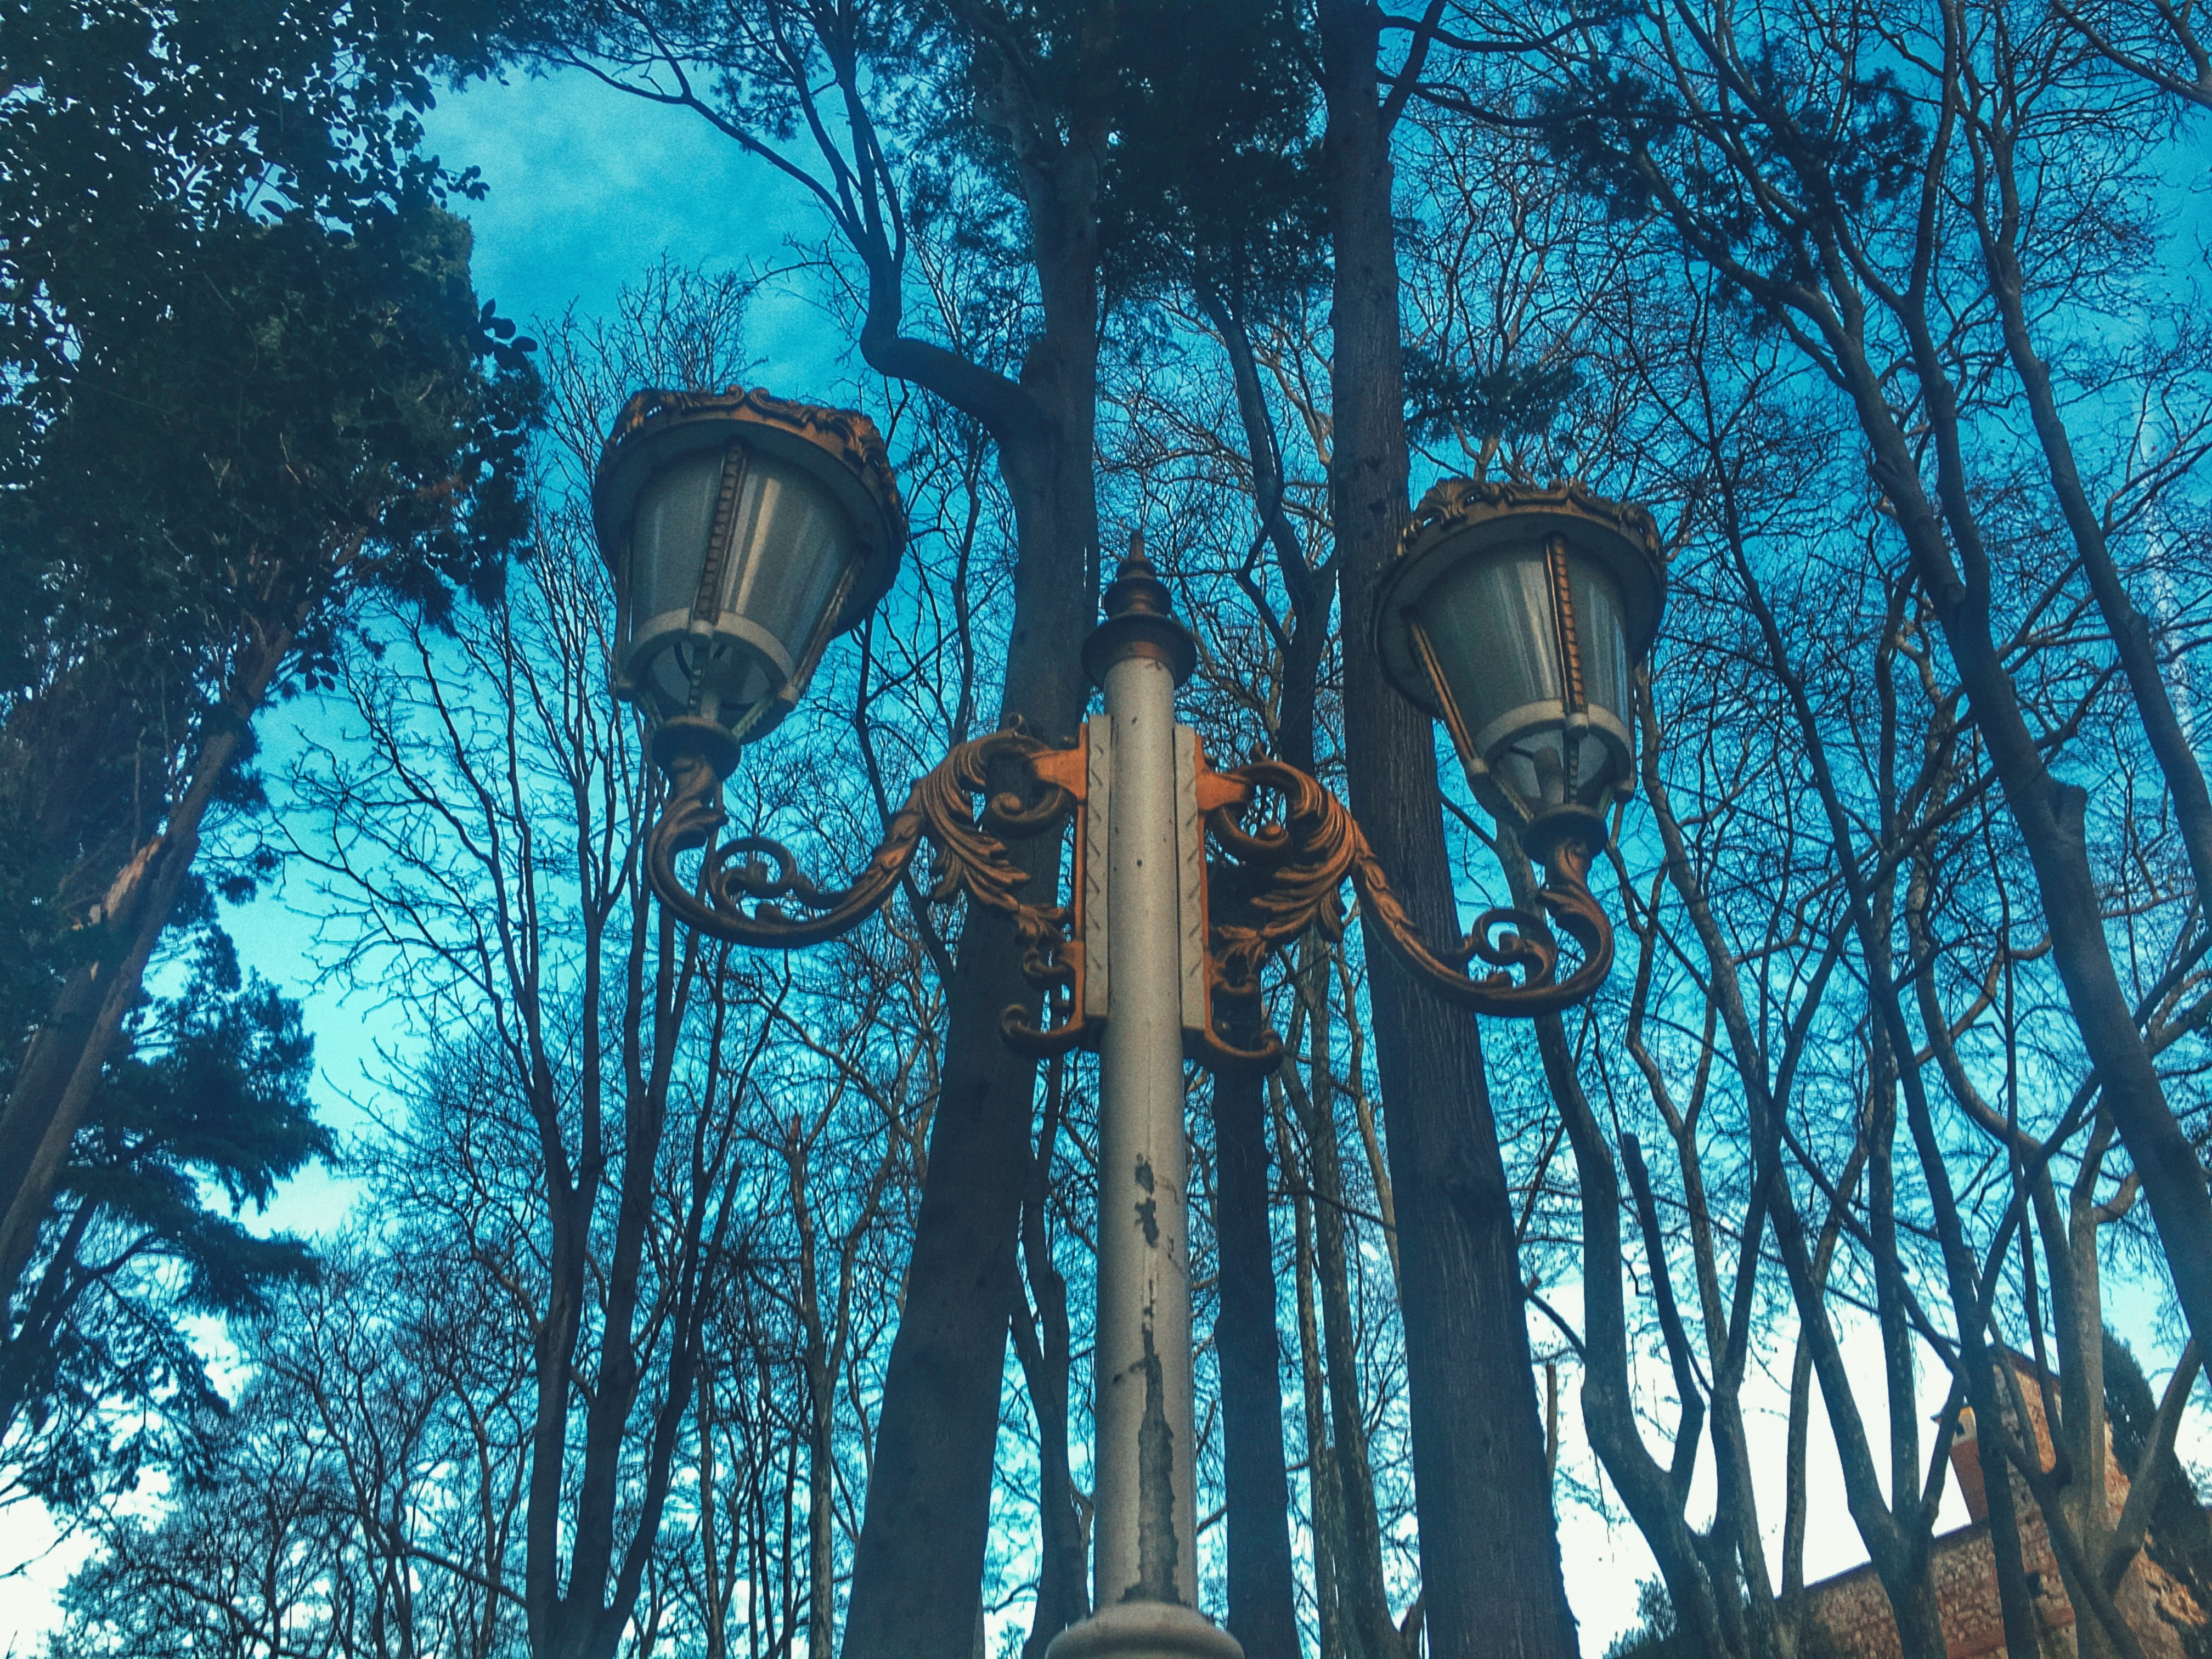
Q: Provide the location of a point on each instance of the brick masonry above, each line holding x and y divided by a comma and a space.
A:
1853, 1613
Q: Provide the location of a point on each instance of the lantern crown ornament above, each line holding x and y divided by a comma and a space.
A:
744, 531
1518, 616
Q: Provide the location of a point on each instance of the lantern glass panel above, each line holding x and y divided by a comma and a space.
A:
1493, 629
792, 542
1489, 624
789, 542
1602, 634
668, 540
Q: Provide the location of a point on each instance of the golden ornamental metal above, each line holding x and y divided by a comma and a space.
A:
1453, 502
1266, 885
1283, 847
744, 884
852, 437
1277, 881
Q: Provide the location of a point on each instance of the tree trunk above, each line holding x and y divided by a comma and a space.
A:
1490, 1553
1046, 1348
918, 1571
821, 1426
1320, 1461
2050, 814
61, 1074
1363, 1599
1653, 1495
2132, 642
1262, 1604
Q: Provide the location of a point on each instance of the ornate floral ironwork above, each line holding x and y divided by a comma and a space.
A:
1267, 885
1286, 877
971, 858
1270, 884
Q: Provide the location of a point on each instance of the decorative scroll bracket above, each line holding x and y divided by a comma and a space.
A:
1265, 887
1274, 882
1028, 788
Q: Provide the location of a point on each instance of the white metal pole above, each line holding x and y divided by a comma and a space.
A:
1144, 1574
1147, 1514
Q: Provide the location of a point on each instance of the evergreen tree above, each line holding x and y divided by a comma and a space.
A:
205, 1112
1654, 1634
243, 377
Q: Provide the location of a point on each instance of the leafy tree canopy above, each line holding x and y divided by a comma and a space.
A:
205, 1112
245, 372
244, 376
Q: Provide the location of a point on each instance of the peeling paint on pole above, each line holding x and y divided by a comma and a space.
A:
1148, 1218
1158, 1549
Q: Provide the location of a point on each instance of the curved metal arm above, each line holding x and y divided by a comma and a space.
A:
1531, 946
1286, 878
971, 858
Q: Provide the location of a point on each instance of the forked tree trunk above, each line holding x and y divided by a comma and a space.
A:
1490, 1558
917, 1572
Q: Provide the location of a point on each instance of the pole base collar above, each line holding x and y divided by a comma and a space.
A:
1144, 1630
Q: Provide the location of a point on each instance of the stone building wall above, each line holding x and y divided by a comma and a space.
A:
1853, 1612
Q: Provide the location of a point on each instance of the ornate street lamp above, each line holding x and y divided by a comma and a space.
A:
745, 532
1516, 615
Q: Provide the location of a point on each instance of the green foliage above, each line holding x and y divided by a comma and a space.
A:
1507, 403
312, 398
308, 418
1837, 140
205, 1113
1209, 178
127, 129
235, 324
244, 377
214, 1088
1652, 1637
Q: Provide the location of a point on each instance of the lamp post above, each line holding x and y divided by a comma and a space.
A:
745, 532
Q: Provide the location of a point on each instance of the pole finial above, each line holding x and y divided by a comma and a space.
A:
1139, 618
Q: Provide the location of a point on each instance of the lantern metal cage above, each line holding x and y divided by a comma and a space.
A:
744, 533
1517, 616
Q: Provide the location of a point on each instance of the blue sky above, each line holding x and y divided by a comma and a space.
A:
586, 187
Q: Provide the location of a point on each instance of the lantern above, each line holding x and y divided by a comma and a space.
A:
1517, 616
744, 533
